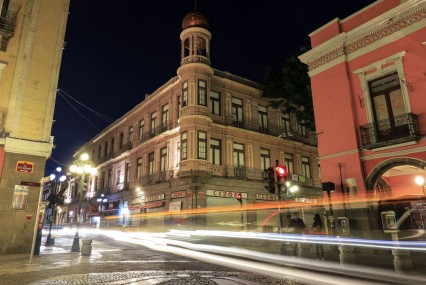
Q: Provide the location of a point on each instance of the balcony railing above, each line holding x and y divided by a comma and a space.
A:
195, 59
394, 130
7, 25
159, 130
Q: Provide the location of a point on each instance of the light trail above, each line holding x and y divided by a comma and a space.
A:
328, 240
260, 263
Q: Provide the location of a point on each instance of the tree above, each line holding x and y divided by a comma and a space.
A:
290, 89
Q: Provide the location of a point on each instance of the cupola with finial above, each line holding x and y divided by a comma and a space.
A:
195, 39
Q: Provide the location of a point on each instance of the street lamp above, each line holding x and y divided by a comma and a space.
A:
54, 191
101, 200
81, 166
421, 182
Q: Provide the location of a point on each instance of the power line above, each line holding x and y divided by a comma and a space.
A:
103, 117
87, 120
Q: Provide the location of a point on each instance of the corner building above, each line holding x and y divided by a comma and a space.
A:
370, 70
194, 143
31, 44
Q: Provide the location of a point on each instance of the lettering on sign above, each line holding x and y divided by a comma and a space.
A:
306, 200
225, 194
136, 201
266, 197
24, 166
156, 197
178, 194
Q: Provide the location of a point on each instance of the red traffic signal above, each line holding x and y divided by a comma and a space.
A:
281, 171
239, 198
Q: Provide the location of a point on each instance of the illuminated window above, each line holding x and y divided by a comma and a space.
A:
215, 152
139, 168
185, 94
237, 112
263, 119
202, 92
289, 163
265, 159
163, 159
184, 146
202, 145
306, 167
151, 163
215, 103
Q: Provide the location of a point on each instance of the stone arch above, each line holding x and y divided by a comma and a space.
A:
384, 166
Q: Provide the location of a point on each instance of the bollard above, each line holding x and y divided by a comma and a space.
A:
86, 247
346, 254
402, 261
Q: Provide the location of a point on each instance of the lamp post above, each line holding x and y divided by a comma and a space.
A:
81, 166
421, 182
54, 191
101, 200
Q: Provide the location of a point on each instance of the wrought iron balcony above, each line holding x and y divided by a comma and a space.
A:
391, 131
7, 25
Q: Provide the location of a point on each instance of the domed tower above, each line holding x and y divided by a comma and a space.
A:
195, 39
195, 76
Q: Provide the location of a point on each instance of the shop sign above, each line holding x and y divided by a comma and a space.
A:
156, 197
306, 200
29, 183
20, 196
154, 205
24, 166
266, 197
225, 194
136, 201
295, 177
175, 206
135, 207
178, 194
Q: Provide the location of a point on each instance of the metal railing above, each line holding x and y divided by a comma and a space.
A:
398, 129
195, 59
7, 24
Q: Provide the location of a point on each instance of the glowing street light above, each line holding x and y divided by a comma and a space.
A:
102, 200
53, 195
81, 166
421, 182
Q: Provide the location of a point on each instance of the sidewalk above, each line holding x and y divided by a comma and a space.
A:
51, 257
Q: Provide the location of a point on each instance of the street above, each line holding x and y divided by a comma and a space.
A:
140, 258
113, 262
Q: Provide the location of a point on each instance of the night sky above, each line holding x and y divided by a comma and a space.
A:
118, 51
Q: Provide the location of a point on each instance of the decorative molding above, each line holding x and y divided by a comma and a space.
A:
398, 24
37, 148
403, 152
343, 153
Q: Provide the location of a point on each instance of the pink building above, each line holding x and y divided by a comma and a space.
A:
368, 76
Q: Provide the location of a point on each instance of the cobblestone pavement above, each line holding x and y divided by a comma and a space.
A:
165, 278
116, 263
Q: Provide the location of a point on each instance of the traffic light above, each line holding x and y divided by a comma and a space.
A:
239, 198
270, 177
281, 172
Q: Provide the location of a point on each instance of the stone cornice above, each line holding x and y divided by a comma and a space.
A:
394, 24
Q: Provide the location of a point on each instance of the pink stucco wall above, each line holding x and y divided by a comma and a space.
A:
336, 26
339, 102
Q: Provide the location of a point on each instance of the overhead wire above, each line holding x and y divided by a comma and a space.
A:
72, 106
103, 117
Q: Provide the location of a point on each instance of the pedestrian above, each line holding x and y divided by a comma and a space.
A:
298, 226
317, 227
